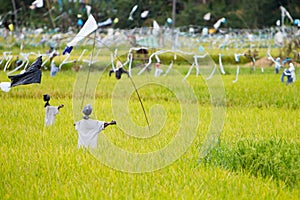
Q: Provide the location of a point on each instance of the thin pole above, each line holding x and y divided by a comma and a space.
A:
15, 14
173, 23
50, 13
90, 64
282, 20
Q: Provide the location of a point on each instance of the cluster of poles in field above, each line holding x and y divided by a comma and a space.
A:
182, 38
185, 41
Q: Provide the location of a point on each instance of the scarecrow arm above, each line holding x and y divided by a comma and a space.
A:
111, 71
113, 122
124, 71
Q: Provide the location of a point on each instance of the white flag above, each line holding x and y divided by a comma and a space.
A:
132, 11
37, 4
105, 23
5, 86
89, 27
284, 13
144, 14
278, 22
206, 17
219, 22
88, 9
155, 25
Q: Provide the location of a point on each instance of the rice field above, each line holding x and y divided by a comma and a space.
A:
257, 155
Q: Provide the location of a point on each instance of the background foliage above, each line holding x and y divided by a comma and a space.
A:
263, 13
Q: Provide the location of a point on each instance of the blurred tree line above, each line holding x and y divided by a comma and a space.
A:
64, 13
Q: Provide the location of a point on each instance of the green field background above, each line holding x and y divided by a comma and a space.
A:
40, 162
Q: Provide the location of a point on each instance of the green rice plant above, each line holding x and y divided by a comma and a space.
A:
38, 162
276, 159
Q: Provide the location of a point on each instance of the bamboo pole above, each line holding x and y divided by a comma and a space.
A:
50, 13
15, 14
173, 23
